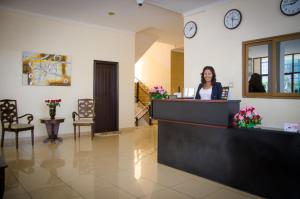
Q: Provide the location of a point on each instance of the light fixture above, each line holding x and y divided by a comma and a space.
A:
140, 2
111, 13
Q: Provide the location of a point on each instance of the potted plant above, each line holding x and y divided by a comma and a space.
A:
158, 92
52, 104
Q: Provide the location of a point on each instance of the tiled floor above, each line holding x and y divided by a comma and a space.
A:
112, 166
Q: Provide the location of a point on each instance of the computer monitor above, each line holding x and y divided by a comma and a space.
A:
189, 92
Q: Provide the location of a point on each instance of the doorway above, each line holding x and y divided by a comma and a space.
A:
106, 96
177, 71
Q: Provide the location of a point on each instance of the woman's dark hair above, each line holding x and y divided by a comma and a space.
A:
255, 84
212, 70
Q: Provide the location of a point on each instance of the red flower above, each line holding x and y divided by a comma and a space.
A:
53, 102
234, 124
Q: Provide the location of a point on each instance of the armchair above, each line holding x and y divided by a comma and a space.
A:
10, 120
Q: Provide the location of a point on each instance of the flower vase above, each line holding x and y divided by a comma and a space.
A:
52, 112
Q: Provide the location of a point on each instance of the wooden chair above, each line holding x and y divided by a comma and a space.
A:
85, 115
225, 91
10, 120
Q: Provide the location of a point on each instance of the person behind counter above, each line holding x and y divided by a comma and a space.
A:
255, 84
209, 88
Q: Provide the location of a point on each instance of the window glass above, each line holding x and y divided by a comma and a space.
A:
297, 83
265, 82
297, 62
264, 66
287, 84
271, 67
288, 54
288, 63
258, 68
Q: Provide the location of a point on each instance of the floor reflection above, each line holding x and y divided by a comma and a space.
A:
83, 158
53, 162
109, 166
20, 163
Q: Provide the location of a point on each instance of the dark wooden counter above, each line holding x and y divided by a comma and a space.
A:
206, 112
262, 162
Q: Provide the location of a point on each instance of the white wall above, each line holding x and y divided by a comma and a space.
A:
222, 48
143, 41
83, 43
154, 67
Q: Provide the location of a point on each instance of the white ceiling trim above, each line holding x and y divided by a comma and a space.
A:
204, 8
162, 6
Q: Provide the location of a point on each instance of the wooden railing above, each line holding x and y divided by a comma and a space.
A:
142, 97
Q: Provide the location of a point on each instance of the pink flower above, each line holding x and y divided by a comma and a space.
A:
241, 117
158, 92
236, 116
248, 108
248, 113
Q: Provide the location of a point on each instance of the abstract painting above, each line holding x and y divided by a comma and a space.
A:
40, 69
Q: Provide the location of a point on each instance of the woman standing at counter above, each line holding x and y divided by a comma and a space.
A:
209, 88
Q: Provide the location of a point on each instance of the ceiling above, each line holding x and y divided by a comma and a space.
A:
162, 17
185, 7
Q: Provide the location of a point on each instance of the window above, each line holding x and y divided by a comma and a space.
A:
271, 67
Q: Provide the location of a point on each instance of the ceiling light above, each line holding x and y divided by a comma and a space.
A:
140, 2
111, 13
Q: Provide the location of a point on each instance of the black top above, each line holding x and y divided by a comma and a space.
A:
256, 89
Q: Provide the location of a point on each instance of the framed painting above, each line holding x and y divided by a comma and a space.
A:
40, 69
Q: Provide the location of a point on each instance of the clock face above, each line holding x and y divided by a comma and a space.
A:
190, 29
290, 7
232, 19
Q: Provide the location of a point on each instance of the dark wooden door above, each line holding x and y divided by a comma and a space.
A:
106, 96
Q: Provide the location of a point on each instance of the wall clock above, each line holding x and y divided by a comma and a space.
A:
232, 19
190, 29
290, 7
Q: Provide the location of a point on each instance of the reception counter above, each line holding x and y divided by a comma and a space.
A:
195, 136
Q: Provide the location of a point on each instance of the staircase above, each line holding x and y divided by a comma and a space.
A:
142, 115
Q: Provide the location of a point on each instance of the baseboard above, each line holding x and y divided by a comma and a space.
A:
10, 136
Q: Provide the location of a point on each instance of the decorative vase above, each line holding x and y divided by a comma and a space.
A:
52, 112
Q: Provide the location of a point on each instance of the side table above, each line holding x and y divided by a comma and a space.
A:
52, 126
